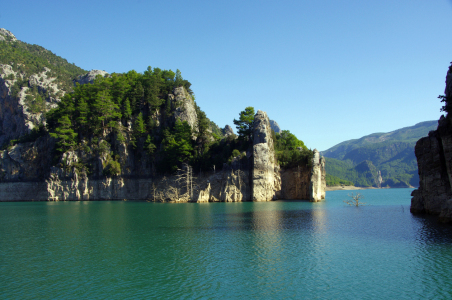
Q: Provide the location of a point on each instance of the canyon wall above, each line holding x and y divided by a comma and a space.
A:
434, 158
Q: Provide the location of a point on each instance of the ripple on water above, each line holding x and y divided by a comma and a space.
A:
243, 250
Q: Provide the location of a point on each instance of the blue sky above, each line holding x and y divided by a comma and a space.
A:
326, 70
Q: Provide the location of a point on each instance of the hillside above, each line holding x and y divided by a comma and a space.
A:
390, 153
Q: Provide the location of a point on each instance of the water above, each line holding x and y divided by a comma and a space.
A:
281, 249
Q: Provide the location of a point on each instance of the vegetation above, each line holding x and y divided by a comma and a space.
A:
245, 124
31, 59
447, 107
336, 181
290, 151
391, 153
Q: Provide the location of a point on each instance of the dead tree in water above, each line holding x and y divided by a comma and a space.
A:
185, 175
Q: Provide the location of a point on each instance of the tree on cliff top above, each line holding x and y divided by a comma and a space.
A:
447, 107
245, 123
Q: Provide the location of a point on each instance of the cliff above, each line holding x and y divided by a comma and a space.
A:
434, 158
69, 134
26, 176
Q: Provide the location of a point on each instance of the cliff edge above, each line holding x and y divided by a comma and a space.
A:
434, 158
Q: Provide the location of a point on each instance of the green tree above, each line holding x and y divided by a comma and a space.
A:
127, 110
149, 145
65, 135
245, 123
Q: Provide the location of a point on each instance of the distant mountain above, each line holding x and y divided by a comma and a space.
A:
390, 153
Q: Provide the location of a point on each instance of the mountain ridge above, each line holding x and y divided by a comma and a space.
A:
392, 153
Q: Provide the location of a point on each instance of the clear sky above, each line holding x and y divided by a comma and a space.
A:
327, 70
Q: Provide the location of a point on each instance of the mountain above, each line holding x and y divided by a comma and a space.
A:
390, 153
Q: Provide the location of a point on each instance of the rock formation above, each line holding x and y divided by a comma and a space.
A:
33, 171
26, 175
434, 158
227, 130
265, 175
90, 76
185, 107
317, 183
275, 126
6, 35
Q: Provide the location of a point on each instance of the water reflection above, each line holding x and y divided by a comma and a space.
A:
248, 250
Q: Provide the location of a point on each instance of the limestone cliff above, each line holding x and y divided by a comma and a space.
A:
265, 176
27, 174
305, 182
434, 158
184, 107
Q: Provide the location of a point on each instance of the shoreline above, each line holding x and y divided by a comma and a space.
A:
353, 188
348, 188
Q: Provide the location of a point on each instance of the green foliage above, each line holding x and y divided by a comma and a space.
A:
65, 134
112, 168
336, 181
245, 124
149, 145
287, 150
447, 107
391, 153
177, 146
35, 104
31, 59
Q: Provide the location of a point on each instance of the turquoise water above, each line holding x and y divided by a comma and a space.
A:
281, 249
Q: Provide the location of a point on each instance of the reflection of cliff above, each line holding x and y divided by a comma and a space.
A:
434, 158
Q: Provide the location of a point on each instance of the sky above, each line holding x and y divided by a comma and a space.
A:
326, 70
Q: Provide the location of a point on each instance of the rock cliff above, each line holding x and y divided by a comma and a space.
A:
275, 126
112, 139
26, 175
434, 158
265, 173
185, 107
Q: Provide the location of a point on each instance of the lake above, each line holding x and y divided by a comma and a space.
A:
279, 249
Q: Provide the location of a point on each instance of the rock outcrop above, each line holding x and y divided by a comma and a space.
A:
17, 116
227, 130
265, 175
434, 158
90, 76
317, 183
6, 35
275, 126
184, 107
26, 176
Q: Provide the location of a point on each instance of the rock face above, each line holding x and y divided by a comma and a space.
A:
26, 175
90, 76
227, 131
17, 118
305, 182
185, 107
434, 158
265, 176
317, 183
275, 126
6, 35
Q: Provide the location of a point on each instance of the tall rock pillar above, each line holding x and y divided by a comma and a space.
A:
317, 185
266, 180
